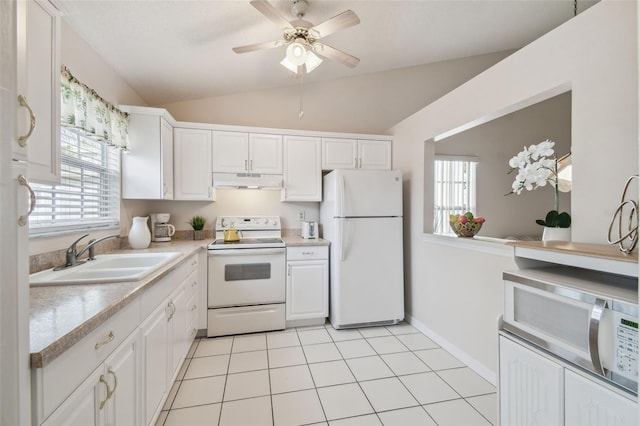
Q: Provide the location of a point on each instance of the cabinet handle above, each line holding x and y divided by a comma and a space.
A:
115, 383
360, 166
289, 270
307, 252
251, 165
193, 308
106, 340
171, 306
22, 140
193, 284
102, 380
245, 166
22, 180
355, 162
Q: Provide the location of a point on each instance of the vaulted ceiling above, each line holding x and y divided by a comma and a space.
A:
180, 50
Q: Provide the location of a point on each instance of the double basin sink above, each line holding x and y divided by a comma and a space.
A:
106, 268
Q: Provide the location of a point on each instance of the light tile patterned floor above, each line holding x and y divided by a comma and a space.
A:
317, 375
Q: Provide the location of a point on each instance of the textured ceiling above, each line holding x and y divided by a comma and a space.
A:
179, 50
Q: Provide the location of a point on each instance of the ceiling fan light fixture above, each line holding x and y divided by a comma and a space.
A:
288, 65
312, 61
296, 53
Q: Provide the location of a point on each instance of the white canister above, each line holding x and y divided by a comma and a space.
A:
139, 235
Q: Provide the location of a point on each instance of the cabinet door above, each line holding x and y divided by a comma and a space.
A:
82, 407
166, 146
39, 82
307, 289
122, 373
531, 387
230, 152
339, 153
302, 169
265, 154
147, 170
192, 171
155, 362
374, 155
588, 403
178, 346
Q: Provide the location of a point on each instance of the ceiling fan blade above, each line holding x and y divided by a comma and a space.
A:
344, 20
337, 55
257, 46
271, 13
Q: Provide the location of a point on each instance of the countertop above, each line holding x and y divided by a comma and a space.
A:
60, 316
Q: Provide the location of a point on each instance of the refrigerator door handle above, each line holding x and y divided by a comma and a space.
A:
341, 197
341, 237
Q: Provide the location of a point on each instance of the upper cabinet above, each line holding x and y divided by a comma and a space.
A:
338, 153
302, 169
192, 164
38, 28
237, 152
147, 169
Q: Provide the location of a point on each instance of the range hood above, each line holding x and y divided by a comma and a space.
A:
247, 180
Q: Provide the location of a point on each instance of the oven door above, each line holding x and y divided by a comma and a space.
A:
240, 277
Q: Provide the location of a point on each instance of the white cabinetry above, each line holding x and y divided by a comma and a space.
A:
147, 169
192, 164
307, 297
109, 396
338, 153
237, 152
523, 373
38, 29
302, 169
538, 390
589, 404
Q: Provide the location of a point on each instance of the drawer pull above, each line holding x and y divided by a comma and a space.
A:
103, 380
22, 220
106, 340
307, 252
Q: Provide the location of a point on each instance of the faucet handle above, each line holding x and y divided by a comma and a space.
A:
72, 247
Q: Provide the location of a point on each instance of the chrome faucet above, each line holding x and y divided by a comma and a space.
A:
72, 253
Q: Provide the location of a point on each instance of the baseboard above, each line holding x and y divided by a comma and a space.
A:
471, 362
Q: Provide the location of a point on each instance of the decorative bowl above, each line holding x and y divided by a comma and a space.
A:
468, 229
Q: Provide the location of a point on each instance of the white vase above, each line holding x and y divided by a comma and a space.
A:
139, 235
556, 234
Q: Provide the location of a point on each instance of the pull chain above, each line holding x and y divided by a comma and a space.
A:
301, 112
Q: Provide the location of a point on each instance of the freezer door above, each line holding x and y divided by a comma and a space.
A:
367, 193
367, 278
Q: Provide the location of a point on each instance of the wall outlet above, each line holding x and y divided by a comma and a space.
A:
301, 215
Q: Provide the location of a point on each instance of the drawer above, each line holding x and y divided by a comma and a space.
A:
57, 380
245, 319
307, 252
192, 263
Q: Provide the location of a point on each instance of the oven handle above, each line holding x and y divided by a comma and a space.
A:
246, 252
594, 330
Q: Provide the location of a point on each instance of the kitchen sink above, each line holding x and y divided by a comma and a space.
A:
106, 268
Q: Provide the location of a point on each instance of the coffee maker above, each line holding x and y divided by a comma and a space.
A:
161, 229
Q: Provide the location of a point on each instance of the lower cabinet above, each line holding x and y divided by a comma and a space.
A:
109, 396
536, 390
122, 372
307, 296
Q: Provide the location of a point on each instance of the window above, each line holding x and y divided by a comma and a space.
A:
454, 190
88, 195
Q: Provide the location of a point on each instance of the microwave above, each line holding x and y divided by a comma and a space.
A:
587, 318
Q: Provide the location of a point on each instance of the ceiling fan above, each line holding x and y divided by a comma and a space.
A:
301, 37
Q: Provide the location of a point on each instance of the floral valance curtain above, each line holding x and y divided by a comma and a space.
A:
84, 111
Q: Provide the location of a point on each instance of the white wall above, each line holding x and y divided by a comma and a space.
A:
457, 292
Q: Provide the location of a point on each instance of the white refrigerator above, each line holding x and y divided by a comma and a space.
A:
361, 215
